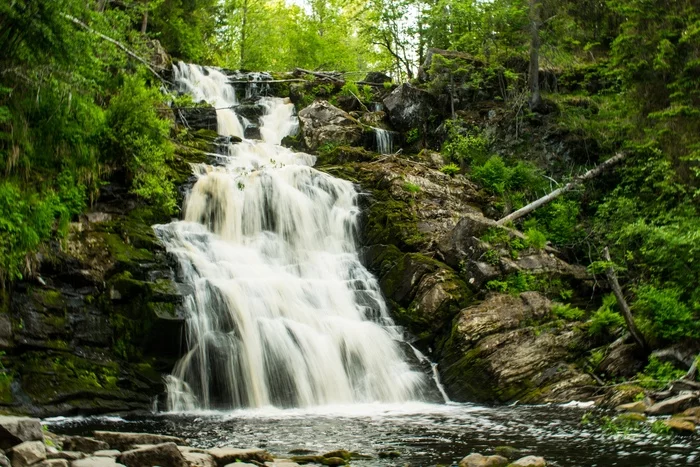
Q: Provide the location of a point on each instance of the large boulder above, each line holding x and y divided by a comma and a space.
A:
124, 441
83, 444
227, 455
323, 123
16, 430
28, 453
500, 351
478, 460
161, 454
408, 107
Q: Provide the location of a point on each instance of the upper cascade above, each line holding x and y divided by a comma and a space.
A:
283, 312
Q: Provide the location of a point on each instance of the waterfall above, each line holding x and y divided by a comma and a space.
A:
283, 312
385, 143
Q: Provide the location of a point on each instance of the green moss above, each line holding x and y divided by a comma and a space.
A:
49, 298
53, 376
6, 380
123, 252
126, 286
343, 155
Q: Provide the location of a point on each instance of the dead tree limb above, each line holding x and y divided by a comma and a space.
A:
594, 172
118, 44
693, 369
626, 312
319, 74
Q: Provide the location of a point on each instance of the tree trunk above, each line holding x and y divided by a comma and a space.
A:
626, 312
144, 23
594, 172
534, 77
101, 4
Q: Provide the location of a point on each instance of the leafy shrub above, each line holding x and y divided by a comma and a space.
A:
605, 320
669, 318
350, 88
138, 136
412, 135
450, 169
461, 148
493, 175
535, 238
567, 312
658, 374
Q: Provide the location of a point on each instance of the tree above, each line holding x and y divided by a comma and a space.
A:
534, 71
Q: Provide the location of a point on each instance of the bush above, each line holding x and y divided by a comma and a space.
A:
658, 374
450, 169
668, 317
606, 320
462, 148
138, 137
535, 238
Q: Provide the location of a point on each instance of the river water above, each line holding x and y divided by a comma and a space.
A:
424, 434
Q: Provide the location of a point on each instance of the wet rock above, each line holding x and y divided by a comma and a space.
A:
227, 455
509, 452
693, 412
408, 107
124, 441
161, 454
674, 404
97, 462
252, 112
530, 461
307, 459
630, 418
477, 460
388, 454
52, 463
241, 464
67, 455
16, 430
680, 425
252, 131
281, 463
107, 453
636, 407
332, 461
323, 123
198, 118
200, 459
28, 453
83, 444
342, 453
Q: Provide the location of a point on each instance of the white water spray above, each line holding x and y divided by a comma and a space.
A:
283, 311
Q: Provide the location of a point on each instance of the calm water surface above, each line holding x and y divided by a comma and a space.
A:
424, 434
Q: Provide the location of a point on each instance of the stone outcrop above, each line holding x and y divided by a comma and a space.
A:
125, 441
16, 430
323, 123
161, 454
408, 107
502, 350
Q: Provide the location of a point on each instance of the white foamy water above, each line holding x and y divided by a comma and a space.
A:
385, 143
283, 312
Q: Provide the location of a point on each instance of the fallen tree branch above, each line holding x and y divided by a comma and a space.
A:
290, 80
594, 172
693, 371
118, 44
624, 307
358, 100
319, 74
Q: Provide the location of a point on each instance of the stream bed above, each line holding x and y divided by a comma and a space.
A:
424, 434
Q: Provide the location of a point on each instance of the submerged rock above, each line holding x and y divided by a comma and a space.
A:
477, 460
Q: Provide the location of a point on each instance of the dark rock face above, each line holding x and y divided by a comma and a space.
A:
408, 107
322, 123
197, 118
101, 322
377, 77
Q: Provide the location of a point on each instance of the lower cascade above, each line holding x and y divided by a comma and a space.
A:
283, 312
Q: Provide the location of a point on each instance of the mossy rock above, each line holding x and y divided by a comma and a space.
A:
345, 154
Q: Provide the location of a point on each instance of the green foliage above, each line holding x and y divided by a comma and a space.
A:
413, 135
450, 169
519, 282
138, 137
464, 146
567, 312
658, 374
535, 238
606, 321
666, 316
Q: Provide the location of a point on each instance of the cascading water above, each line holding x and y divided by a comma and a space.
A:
385, 143
283, 312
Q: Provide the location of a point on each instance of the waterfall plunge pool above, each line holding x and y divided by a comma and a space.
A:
424, 434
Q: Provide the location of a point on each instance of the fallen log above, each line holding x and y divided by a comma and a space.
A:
594, 172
